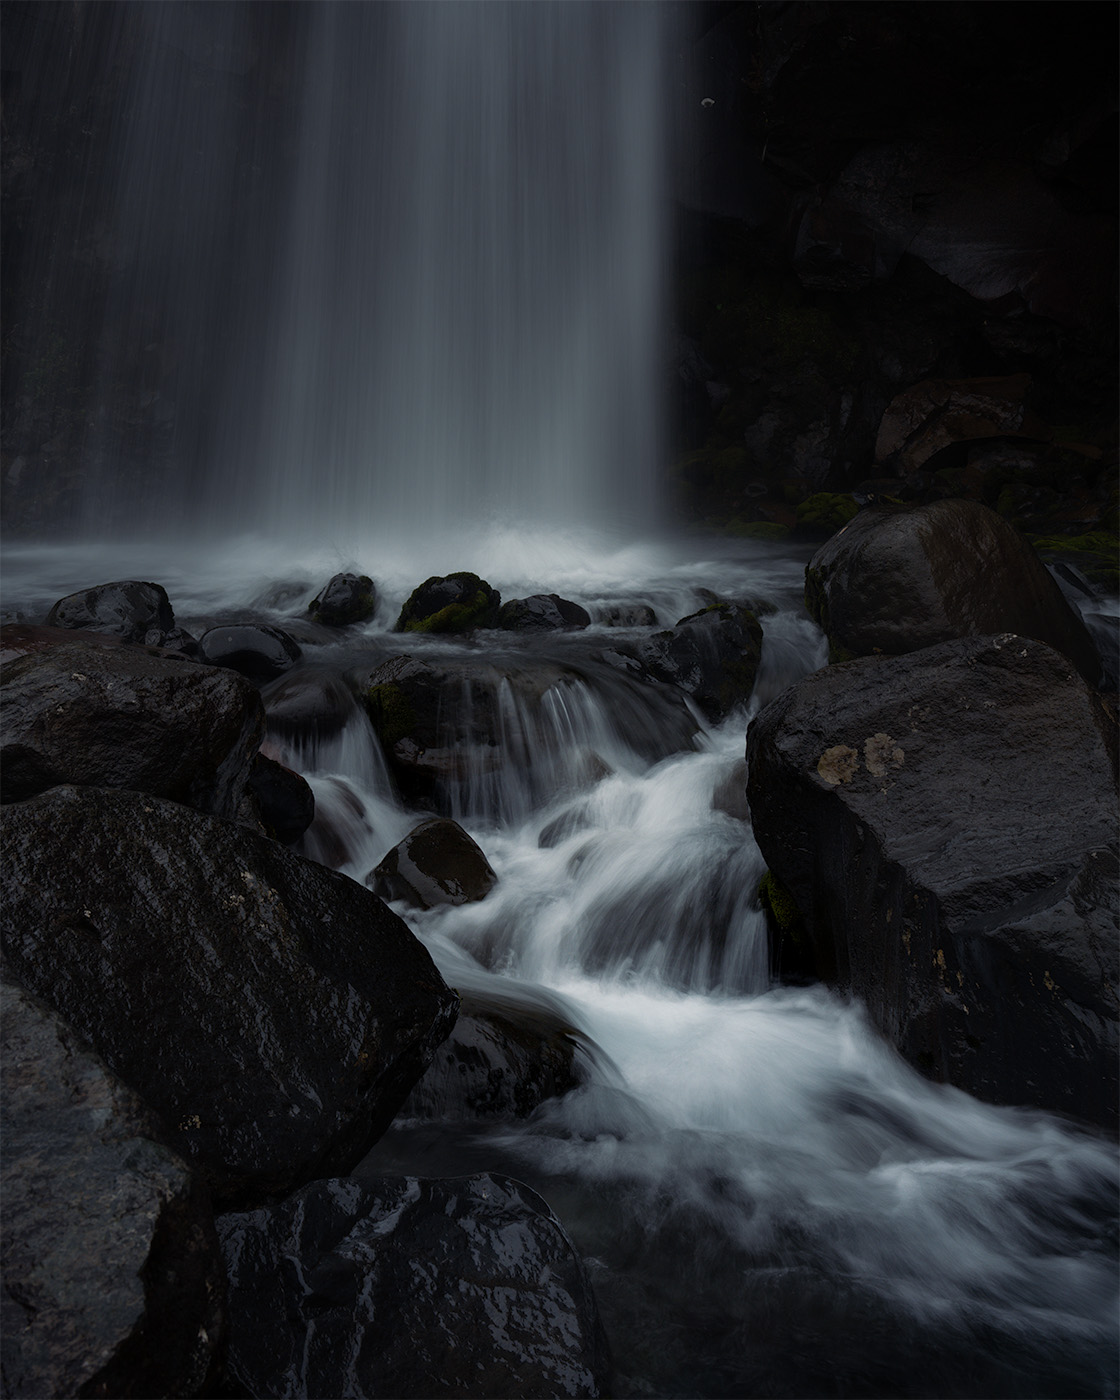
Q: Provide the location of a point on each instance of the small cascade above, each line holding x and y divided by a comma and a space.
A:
357, 817
639, 878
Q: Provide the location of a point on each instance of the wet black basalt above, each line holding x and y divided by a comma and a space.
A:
347, 598
272, 1013
128, 717
897, 579
128, 610
542, 612
946, 824
410, 1288
113, 1281
436, 863
259, 652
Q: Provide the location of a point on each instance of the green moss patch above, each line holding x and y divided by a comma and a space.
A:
390, 712
1096, 554
826, 511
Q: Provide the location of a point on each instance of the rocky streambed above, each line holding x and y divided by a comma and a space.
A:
416, 994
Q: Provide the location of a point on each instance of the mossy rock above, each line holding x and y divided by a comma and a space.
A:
825, 513
346, 599
390, 713
1096, 554
452, 604
791, 946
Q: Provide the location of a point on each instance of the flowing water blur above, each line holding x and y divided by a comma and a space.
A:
420, 334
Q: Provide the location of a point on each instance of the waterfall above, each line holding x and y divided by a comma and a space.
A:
381, 267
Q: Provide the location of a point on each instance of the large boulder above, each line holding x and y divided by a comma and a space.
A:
436, 863
946, 824
272, 1012
407, 1287
113, 1280
458, 603
712, 655
505, 1056
260, 652
542, 612
895, 580
132, 611
127, 717
347, 598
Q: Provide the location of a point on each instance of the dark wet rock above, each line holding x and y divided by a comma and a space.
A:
113, 1280
259, 652
410, 1288
308, 703
932, 415
284, 799
436, 863
458, 603
542, 612
346, 599
946, 823
273, 1013
503, 1059
128, 610
177, 640
711, 655
127, 717
898, 579
627, 615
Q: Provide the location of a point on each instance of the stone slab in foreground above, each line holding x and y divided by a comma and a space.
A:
407, 1287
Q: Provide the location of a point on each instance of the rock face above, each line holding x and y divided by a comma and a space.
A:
127, 717
936, 413
945, 822
347, 598
503, 1059
284, 799
896, 580
436, 863
128, 610
457, 603
272, 1012
712, 655
405, 1287
261, 653
113, 1281
542, 612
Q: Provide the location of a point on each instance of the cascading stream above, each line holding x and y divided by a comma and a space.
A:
414, 326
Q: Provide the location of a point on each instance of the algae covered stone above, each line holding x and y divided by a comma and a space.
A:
455, 603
